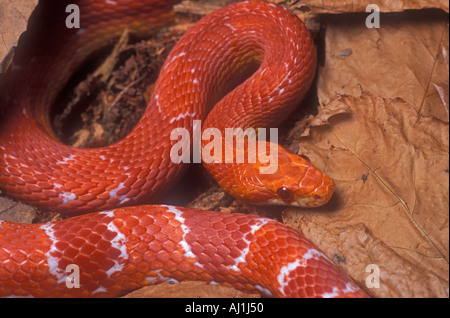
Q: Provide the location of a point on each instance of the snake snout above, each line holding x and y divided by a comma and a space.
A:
323, 193
314, 188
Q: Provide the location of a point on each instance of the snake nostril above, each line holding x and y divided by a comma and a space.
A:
318, 198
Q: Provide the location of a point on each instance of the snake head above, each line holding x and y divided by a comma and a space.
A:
296, 182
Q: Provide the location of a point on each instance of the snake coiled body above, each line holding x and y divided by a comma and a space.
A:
252, 61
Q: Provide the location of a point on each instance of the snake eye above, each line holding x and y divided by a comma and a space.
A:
285, 194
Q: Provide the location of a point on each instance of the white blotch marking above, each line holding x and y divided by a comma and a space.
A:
242, 258
67, 197
285, 79
153, 280
123, 199
313, 253
126, 171
66, 160
100, 289
10, 157
117, 242
192, 70
264, 290
24, 112
57, 185
333, 294
350, 288
195, 81
113, 192
183, 243
286, 270
16, 296
53, 262
174, 58
157, 103
230, 26
187, 113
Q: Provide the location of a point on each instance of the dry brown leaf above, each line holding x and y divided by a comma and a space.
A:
403, 58
13, 22
191, 288
325, 113
16, 211
391, 202
389, 156
442, 87
303, 127
342, 6
201, 7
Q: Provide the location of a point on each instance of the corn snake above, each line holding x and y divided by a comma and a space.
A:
126, 246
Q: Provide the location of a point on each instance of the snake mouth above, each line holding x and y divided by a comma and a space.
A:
305, 202
310, 200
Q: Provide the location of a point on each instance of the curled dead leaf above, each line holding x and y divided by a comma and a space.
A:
384, 218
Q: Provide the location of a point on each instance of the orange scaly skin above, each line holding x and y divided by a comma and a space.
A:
125, 248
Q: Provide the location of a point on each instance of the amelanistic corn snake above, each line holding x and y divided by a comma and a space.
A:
127, 245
